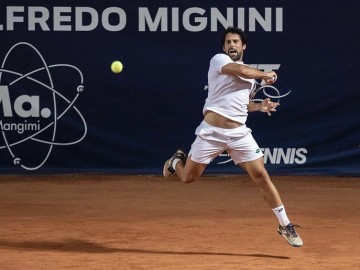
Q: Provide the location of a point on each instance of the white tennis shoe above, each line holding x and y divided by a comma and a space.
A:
290, 235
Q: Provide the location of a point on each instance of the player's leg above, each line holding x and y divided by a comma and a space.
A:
261, 178
259, 175
201, 154
246, 153
189, 171
186, 169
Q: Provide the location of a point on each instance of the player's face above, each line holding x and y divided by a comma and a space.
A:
233, 46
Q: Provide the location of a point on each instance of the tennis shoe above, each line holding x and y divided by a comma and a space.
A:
290, 235
168, 169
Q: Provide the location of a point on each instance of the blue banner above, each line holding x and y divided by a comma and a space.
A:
63, 110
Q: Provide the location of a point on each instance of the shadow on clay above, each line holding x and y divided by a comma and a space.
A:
73, 245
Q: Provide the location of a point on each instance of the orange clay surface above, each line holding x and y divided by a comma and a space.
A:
148, 222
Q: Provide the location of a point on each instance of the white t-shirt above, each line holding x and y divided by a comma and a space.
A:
227, 95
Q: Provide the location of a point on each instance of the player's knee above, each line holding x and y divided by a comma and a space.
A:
261, 178
187, 179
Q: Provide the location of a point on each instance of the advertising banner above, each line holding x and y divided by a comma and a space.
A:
63, 110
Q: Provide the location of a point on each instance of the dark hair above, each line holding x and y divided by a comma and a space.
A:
234, 30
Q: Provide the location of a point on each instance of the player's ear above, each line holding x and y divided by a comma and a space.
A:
244, 46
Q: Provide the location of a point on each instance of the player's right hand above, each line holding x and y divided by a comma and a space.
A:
270, 77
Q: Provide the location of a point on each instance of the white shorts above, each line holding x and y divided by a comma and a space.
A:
212, 141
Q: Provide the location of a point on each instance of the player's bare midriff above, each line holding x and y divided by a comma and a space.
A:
217, 120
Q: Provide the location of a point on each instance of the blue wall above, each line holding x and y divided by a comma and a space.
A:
133, 121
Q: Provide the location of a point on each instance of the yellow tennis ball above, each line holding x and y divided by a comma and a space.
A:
116, 66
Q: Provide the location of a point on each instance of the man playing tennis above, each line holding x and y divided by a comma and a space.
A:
223, 128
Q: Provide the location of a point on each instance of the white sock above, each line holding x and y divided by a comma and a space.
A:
281, 215
175, 161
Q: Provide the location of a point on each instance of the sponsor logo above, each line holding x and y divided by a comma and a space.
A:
33, 108
285, 155
274, 156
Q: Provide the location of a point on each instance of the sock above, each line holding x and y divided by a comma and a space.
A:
281, 215
175, 161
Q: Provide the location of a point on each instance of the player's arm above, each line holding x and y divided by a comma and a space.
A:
247, 72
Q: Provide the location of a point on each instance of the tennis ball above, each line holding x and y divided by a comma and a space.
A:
116, 66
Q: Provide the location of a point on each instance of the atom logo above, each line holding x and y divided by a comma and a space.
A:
36, 108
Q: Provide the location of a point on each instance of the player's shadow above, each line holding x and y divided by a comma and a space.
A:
72, 245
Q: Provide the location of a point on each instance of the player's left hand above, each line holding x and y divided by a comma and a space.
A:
269, 106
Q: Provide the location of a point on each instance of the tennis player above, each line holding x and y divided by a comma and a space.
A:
224, 127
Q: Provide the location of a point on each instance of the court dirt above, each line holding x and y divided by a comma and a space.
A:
148, 222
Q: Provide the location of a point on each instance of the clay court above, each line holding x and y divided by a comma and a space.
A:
147, 222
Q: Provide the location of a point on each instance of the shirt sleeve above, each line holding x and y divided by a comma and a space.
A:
218, 61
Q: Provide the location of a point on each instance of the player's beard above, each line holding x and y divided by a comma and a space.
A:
236, 57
